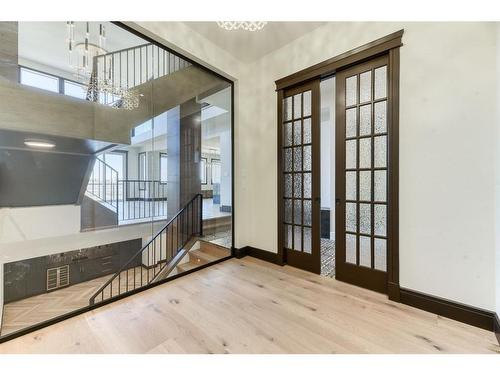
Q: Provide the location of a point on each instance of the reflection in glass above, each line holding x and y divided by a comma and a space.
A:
117, 143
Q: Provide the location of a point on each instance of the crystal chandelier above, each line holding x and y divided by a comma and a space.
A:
82, 52
244, 25
84, 58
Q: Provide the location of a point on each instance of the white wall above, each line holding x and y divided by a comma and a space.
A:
30, 223
447, 143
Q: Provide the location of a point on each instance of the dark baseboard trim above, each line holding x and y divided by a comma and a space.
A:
393, 291
496, 322
259, 254
463, 313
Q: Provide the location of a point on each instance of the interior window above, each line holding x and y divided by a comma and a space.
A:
203, 171
75, 90
163, 168
216, 171
40, 80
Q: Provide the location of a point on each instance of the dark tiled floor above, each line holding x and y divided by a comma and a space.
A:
327, 257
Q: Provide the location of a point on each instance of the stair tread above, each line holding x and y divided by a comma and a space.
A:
214, 250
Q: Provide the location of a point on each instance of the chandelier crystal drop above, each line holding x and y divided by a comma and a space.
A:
244, 25
84, 46
94, 65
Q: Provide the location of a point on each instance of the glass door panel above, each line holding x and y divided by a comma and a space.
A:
300, 177
361, 184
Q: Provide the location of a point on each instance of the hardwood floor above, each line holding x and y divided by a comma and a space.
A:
250, 306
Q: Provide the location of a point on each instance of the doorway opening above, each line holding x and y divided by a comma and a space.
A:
327, 147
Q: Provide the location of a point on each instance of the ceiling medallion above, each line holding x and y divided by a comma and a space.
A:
244, 25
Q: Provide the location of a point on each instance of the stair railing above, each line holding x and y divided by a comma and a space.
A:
129, 68
143, 267
103, 183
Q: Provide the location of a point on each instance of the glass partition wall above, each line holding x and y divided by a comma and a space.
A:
115, 160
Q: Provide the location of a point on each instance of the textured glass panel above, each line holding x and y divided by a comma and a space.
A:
307, 212
297, 106
365, 185
297, 238
380, 254
307, 131
365, 87
288, 236
288, 185
365, 119
365, 153
350, 123
288, 210
307, 103
380, 219
350, 248
380, 186
287, 134
365, 251
307, 158
365, 218
381, 82
288, 160
287, 108
297, 133
350, 217
351, 87
350, 154
307, 240
297, 185
381, 117
350, 186
307, 185
297, 212
297, 158
381, 151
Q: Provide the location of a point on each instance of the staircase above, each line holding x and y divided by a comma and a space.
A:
200, 254
175, 249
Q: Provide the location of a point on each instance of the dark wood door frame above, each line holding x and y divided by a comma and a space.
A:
310, 261
387, 45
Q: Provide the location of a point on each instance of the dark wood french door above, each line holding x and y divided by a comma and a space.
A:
362, 171
299, 172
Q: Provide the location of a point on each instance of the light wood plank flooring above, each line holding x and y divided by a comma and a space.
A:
250, 306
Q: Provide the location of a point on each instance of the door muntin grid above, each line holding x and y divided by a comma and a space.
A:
366, 163
297, 172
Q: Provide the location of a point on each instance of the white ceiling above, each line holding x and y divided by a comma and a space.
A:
248, 46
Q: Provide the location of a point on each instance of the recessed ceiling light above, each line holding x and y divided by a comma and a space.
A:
39, 143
